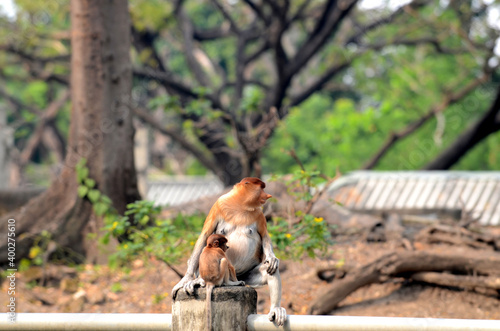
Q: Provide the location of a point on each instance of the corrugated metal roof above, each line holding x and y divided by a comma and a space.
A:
476, 192
178, 190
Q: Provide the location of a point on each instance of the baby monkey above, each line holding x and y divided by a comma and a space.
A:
216, 270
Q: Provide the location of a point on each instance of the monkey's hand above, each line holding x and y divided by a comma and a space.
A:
181, 284
278, 315
273, 264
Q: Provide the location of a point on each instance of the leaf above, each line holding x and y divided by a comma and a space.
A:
144, 220
100, 208
94, 195
82, 191
89, 182
105, 199
82, 174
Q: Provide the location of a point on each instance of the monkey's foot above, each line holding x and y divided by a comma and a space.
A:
278, 315
189, 286
181, 284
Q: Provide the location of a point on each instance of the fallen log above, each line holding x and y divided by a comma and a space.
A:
458, 236
445, 279
405, 264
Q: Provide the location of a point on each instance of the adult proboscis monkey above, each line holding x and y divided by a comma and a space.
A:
238, 216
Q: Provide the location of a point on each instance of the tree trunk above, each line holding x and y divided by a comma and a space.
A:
100, 131
487, 124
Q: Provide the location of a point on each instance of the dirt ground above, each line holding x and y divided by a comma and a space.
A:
146, 287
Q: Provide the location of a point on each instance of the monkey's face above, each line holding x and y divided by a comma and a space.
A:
254, 191
264, 196
217, 241
259, 196
224, 247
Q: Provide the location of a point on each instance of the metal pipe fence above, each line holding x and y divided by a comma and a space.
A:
139, 322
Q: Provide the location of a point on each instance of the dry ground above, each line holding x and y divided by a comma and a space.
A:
145, 288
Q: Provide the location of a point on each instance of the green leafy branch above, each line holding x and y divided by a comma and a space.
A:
302, 233
140, 231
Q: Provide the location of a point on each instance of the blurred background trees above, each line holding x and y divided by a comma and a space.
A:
100, 135
233, 86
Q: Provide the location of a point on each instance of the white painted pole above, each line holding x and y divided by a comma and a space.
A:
357, 323
98, 322
95, 322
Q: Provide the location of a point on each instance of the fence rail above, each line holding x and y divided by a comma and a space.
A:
98, 322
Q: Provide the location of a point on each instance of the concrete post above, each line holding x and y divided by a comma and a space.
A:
231, 306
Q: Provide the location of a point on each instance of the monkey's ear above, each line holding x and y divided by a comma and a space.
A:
216, 243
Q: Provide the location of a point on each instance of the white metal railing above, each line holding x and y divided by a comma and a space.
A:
356, 323
55, 322
97, 322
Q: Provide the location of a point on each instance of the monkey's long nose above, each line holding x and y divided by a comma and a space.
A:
269, 196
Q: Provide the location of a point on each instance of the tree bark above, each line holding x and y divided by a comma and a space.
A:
100, 131
487, 124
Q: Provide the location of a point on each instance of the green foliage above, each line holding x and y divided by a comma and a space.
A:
338, 127
101, 204
140, 231
147, 236
150, 14
159, 297
116, 287
302, 233
38, 248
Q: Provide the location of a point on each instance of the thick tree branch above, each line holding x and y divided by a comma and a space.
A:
232, 24
32, 58
332, 17
448, 100
321, 81
172, 84
211, 34
258, 11
486, 125
189, 48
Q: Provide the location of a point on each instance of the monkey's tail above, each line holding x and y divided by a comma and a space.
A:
210, 288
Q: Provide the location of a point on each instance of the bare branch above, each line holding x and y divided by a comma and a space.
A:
211, 34
321, 81
232, 24
30, 57
448, 100
189, 48
331, 19
18, 103
415, 42
487, 124
177, 137
258, 11
172, 84
47, 116
383, 21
